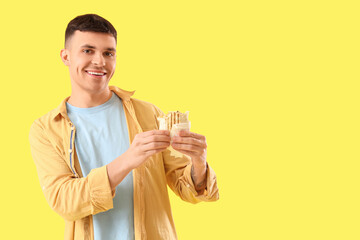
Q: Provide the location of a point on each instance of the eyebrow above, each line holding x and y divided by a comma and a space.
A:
89, 46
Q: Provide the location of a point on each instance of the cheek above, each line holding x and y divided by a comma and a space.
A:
111, 69
114, 65
80, 62
110, 66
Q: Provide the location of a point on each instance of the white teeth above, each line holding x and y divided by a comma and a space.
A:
98, 74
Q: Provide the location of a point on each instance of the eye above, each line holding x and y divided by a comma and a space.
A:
109, 54
86, 51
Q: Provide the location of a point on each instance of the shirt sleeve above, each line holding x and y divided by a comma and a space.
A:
178, 175
72, 198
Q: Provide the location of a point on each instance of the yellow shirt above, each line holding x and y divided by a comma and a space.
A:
77, 198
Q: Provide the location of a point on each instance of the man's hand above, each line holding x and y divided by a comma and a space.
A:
146, 144
194, 145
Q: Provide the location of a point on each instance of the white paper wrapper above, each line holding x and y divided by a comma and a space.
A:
174, 122
180, 126
162, 124
167, 121
174, 132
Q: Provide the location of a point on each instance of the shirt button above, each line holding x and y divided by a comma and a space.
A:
70, 150
72, 127
188, 185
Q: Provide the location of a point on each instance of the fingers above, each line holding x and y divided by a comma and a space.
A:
190, 140
188, 147
190, 143
156, 145
154, 141
187, 137
158, 140
186, 133
155, 132
154, 135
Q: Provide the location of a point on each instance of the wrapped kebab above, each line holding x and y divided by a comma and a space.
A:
174, 122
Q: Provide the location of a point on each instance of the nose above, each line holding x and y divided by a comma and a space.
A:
98, 59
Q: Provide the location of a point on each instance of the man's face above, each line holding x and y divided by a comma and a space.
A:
91, 58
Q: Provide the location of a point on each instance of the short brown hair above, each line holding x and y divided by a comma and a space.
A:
89, 23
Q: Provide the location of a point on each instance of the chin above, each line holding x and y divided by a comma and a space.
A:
98, 86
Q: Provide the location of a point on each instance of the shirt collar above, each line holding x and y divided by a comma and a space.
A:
61, 109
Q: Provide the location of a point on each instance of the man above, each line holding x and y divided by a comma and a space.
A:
103, 165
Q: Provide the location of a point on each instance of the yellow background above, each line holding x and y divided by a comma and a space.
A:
273, 85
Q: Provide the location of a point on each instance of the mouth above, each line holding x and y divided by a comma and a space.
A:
97, 74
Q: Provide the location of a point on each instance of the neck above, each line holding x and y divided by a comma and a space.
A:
83, 99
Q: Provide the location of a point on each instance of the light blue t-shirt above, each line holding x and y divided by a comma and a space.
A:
102, 136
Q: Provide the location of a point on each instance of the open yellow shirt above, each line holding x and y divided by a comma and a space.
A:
77, 198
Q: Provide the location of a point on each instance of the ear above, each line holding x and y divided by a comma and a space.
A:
65, 57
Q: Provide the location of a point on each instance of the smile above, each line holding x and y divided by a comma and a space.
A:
96, 74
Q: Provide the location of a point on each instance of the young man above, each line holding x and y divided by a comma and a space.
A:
103, 165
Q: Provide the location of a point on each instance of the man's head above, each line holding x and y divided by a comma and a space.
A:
90, 52
89, 23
